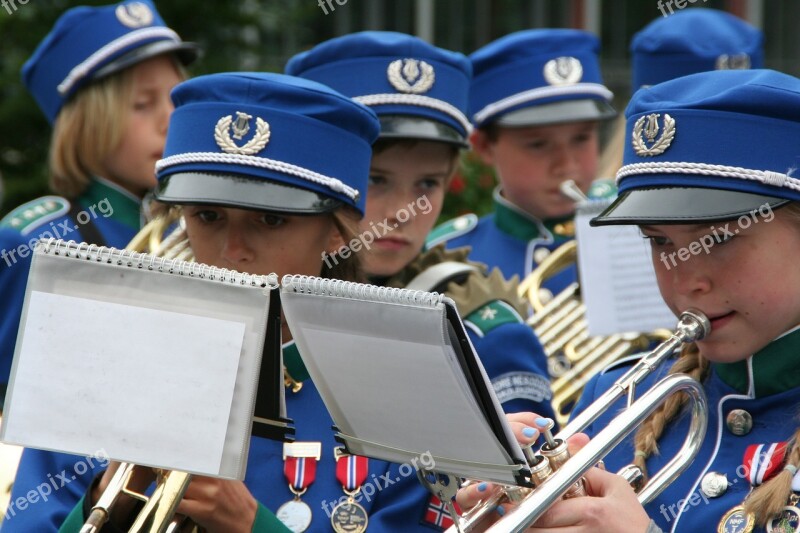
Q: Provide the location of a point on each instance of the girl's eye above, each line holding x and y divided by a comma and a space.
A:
430, 183
207, 216
721, 238
536, 145
376, 179
657, 240
141, 105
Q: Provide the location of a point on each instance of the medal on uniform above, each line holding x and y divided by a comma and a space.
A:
761, 462
351, 471
300, 468
788, 521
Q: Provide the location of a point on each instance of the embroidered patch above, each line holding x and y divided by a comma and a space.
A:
35, 213
451, 229
437, 516
492, 315
521, 386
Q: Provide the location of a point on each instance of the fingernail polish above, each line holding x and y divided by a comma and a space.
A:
541, 421
482, 487
530, 432
500, 510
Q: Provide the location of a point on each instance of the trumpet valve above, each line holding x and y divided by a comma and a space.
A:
540, 470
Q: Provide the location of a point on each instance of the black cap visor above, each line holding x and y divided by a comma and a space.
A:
185, 52
230, 190
558, 113
682, 205
405, 127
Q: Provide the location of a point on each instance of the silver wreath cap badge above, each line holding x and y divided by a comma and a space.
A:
240, 127
732, 62
411, 76
564, 70
134, 14
645, 131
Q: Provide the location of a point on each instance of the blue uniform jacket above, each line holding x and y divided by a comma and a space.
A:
509, 239
766, 385
391, 495
112, 211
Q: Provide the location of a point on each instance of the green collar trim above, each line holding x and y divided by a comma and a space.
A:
293, 362
517, 223
774, 367
124, 206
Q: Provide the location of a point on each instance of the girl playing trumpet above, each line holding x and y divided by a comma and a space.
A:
713, 193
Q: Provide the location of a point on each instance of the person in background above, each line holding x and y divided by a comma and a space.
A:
102, 77
536, 100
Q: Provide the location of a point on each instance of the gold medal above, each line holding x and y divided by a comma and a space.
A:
349, 517
736, 521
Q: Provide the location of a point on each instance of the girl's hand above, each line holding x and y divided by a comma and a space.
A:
219, 505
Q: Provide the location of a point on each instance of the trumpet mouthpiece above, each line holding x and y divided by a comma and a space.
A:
693, 325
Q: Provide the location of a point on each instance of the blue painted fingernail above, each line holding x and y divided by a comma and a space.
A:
482, 487
500, 510
541, 421
529, 432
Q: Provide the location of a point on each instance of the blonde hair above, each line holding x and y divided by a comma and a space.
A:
766, 500
88, 129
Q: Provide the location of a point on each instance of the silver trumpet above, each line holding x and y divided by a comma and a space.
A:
556, 475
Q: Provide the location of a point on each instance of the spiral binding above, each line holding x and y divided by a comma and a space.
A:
359, 291
144, 261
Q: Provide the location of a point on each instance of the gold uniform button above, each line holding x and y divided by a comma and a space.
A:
714, 484
739, 422
540, 254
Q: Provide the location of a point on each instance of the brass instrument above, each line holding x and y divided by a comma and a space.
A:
573, 357
555, 474
158, 513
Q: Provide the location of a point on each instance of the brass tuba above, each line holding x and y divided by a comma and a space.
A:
158, 513
556, 474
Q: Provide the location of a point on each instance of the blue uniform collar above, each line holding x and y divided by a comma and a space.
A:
126, 206
773, 368
513, 220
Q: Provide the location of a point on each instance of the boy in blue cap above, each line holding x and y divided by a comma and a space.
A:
420, 93
102, 77
722, 216
536, 101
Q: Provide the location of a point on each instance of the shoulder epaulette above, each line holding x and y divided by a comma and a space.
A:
451, 229
35, 213
492, 315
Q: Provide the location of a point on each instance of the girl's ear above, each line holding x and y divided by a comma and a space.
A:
336, 239
482, 145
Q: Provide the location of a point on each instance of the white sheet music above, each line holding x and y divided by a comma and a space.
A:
618, 283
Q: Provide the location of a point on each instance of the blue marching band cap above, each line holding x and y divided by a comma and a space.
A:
266, 141
417, 90
694, 40
708, 147
538, 77
88, 43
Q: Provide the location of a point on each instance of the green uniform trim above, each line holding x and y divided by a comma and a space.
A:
266, 521
294, 363
451, 229
126, 207
493, 315
774, 368
75, 519
35, 213
514, 221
